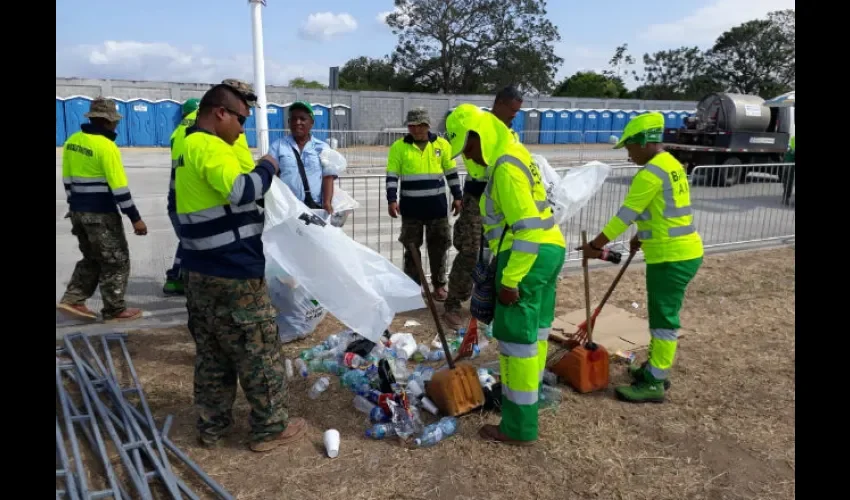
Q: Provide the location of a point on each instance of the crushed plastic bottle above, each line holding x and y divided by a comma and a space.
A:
301, 366
290, 371
550, 378
319, 387
380, 431
313, 352
437, 355
402, 420
424, 373
437, 432
353, 379
352, 360
549, 396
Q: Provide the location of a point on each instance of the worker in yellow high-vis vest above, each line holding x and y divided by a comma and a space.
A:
788, 175
514, 211
659, 202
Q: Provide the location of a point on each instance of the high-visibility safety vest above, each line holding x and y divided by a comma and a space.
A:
659, 201
177, 138
515, 197
421, 176
220, 223
93, 174
476, 179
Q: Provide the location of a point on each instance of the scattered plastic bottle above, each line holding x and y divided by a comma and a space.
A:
313, 352
363, 405
380, 431
437, 432
489, 331
437, 355
319, 387
353, 378
461, 332
550, 378
414, 388
424, 373
352, 360
301, 366
290, 371
378, 415
399, 368
549, 396
380, 351
429, 406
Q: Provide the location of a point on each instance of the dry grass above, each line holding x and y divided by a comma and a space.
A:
727, 431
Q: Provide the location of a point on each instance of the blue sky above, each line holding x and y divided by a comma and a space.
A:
207, 40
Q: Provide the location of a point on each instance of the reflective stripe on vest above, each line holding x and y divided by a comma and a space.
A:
627, 215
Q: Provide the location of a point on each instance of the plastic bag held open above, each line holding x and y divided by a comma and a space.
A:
333, 163
358, 286
570, 193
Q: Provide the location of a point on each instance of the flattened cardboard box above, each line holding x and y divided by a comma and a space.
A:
616, 329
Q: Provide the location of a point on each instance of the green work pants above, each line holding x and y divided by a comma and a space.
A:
522, 330
666, 283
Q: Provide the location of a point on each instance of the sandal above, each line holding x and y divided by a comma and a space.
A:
440, 294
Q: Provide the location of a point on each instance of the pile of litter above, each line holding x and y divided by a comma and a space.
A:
93, 404
389, 390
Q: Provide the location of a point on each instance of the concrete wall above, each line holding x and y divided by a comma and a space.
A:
369, 110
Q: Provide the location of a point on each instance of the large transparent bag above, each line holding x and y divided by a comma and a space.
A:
570, 193
332, 161
361, 288
298, 313
343, 205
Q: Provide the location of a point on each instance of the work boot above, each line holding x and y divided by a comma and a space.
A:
647, 390
173, 287
212, 439
79, 311
453, 319
128, 314
294, 430
491, 432
637, 372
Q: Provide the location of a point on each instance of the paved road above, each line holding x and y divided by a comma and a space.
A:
744, 212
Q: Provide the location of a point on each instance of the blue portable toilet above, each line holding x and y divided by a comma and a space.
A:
274, 115
60, 122
577, 119
606, 119
141, 123
683, 115
591, 126
532, 126
321, 121
619, 119
518, 125
671, 119
562, 125
75, 108
633, 114
168, 116
122, 139
251, 128
548, 121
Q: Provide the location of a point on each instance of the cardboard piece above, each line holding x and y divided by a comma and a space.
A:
616, 329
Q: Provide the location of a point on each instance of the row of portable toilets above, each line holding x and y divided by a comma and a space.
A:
150, 123
581, 126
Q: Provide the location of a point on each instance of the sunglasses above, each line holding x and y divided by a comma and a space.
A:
241, 118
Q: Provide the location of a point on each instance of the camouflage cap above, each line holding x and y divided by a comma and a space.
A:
245, 89
418, 116
102, 107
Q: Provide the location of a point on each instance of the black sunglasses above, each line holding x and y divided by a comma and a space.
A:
239, 117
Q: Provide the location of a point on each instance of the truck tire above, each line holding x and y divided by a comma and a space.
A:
728, 175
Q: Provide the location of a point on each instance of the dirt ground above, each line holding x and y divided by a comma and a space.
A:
726, 432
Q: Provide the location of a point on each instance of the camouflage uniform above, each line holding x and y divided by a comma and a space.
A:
467, 240
436, 231
105, 262
236, 338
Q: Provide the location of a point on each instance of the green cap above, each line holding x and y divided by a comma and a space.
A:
302, 105
464, 118
642, 129
190, 105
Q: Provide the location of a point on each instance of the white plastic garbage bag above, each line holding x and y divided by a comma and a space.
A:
298, 313
332, 161
570, 193
343, 205
358, 286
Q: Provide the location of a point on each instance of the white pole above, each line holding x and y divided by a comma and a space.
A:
260, 75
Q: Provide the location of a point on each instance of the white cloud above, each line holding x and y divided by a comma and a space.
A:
132, 60
323, 26
382, 16
705, 24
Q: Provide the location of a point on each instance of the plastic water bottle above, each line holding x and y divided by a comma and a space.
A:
550, 378
301, 366
313, 352
290, 371
352, 360
437, 355
424, 373
379, 351
549, 396
353, 378
380, 431
435, 433
363, 405
319, 387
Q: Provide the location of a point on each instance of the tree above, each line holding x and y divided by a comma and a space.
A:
591, 84
620, 63
677, 74
365, 73
757, 57
475, 45
301, 83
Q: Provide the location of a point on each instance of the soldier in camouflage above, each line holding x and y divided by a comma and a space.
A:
418, 169
467, 228
96, 187
231, 319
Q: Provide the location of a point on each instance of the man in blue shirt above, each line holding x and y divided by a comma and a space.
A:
298, 157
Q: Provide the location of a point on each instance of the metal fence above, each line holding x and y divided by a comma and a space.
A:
365, 149
749, 212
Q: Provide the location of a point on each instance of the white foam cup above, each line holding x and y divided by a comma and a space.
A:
331, 440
